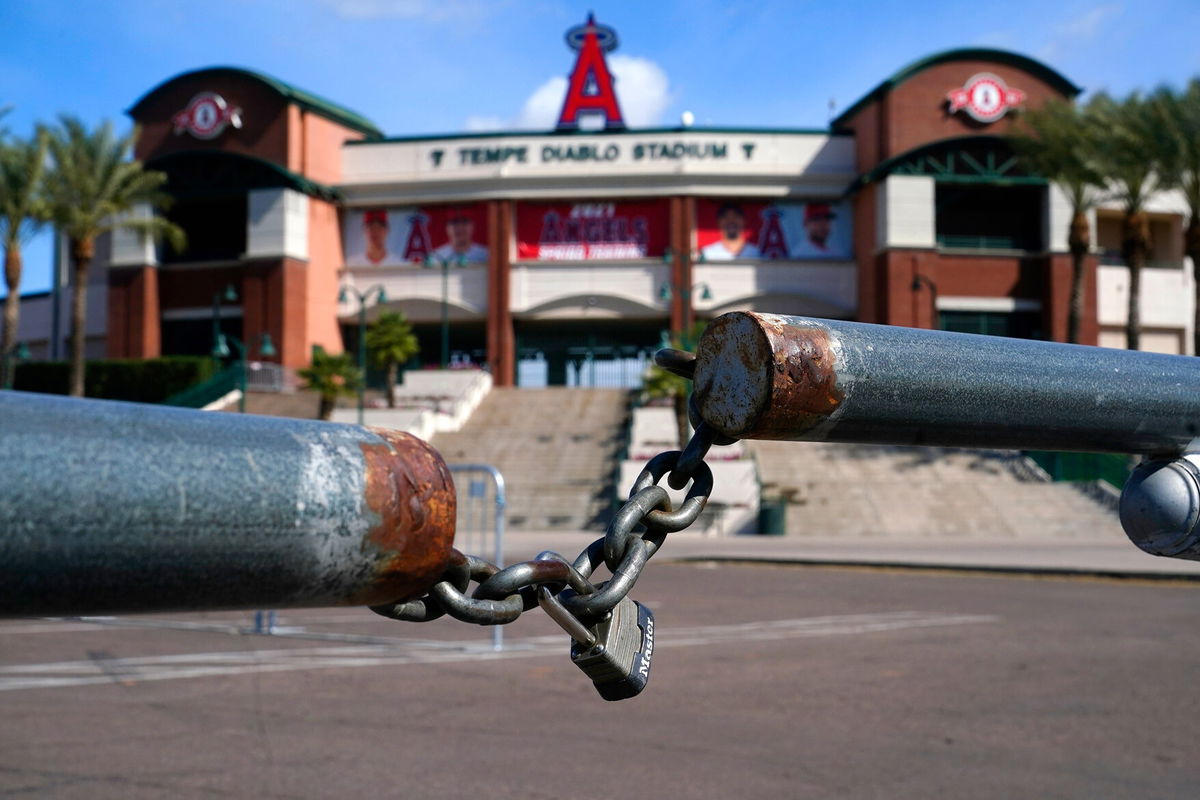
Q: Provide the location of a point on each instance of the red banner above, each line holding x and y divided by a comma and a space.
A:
591, 231
407, 235
735, 230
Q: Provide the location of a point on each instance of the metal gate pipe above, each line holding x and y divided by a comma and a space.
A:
109, 507
762, 376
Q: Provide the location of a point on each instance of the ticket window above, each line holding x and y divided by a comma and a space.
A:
1015, 324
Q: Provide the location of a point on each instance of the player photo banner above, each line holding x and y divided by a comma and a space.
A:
736, 230
407, 235
591, 231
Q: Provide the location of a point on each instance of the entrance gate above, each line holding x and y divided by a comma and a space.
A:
583, 367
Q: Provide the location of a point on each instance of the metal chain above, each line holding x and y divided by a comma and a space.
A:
635, 534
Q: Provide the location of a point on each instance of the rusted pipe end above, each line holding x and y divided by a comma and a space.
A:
762, 376
410, 489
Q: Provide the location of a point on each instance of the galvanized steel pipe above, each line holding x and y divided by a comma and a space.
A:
761, 376
110, 507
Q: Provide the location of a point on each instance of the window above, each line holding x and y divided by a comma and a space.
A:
215, 228
983, 217
1017, 324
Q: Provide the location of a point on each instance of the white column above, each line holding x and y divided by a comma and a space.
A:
277, 224
905, 213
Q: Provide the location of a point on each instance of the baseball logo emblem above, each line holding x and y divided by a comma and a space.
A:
206, 116
985, 98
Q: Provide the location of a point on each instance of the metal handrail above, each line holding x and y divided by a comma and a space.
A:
761, 376
109, 507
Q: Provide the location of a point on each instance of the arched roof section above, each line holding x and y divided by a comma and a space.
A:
213, 172
292, 94
1051, 77
962, 159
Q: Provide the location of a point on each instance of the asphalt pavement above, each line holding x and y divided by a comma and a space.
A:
769, 680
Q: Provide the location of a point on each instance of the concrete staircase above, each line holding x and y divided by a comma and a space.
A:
556, 448
923, 492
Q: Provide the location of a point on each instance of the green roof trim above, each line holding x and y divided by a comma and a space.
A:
924, 160
619, 132
275, 175
306, 100
1016, 60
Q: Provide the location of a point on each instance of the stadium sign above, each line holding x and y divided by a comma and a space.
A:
590, 88
206, 116
985, 97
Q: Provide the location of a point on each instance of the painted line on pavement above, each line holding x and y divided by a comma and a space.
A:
138, 669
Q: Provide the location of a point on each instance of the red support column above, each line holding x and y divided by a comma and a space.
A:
276, 303
679, 231
134, 330
501, 341
1056, 299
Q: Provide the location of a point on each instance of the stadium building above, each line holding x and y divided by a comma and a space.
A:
564, 257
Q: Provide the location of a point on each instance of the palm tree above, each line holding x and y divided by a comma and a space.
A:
391, 341
22, 212
659, 383
331, 376
91, 188
1127, 142
1177, 118
1058, 142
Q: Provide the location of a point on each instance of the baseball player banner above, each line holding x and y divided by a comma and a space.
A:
591, 231
735, 230
406, 235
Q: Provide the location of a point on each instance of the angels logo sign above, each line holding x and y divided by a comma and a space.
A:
590, 87
985, 98
206, 116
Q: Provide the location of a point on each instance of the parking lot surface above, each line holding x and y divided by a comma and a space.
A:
768, 681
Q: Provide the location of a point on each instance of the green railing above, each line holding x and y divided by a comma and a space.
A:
211, 390
1108, 467
970, 242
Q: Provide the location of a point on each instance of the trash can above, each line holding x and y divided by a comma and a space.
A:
772, 516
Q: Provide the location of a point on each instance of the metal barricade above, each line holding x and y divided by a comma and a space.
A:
481, 507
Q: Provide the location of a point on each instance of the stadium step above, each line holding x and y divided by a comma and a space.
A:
919, 492
556, 448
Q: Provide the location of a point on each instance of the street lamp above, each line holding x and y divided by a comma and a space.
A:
18, 353
458, 261
266, 348
343, 297
229, 295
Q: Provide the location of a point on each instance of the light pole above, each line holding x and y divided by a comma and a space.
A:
458, 261
18, 353
266, 348
229, 295
344, 296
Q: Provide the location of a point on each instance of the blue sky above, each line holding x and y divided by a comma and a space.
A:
434, 66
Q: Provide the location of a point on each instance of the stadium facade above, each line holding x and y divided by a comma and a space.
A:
547, 248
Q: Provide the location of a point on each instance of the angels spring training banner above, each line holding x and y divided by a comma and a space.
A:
585, 231
401, 236
729, 230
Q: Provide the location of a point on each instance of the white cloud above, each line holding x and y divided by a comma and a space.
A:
1069, 36
642, 89
1086, 26
428, 10
542, 107
477, 123
643, 92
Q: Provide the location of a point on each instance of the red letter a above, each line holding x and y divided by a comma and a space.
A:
590, 88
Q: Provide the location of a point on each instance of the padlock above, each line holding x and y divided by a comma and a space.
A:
616, 653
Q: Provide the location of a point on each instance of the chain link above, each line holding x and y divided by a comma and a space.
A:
636, 533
